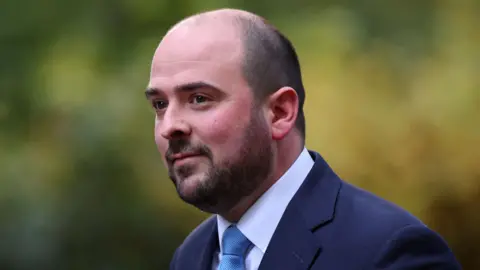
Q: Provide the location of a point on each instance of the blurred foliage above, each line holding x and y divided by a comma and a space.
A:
393, 103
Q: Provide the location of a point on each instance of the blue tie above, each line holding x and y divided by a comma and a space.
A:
234, 249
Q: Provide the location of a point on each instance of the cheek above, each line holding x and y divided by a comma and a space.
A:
224, 129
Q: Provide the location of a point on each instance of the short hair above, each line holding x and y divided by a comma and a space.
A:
270, 62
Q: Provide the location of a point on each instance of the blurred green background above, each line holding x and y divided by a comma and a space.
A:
393, 104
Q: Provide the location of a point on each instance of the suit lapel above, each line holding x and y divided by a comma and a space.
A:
294, 245
205, 251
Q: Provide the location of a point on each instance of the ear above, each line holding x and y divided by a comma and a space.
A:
283, 110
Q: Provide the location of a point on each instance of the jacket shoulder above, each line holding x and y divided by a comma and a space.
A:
371, 211
365, 224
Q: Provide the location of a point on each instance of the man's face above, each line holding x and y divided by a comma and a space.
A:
215, 142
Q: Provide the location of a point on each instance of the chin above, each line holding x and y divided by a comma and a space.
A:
189, 186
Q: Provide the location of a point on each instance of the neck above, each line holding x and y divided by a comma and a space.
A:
282, 162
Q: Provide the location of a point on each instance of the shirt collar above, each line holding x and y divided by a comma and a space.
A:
260, 221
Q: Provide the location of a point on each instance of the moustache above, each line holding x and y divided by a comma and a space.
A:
180, 146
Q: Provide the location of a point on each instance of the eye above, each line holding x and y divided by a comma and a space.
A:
199, 99
159, 104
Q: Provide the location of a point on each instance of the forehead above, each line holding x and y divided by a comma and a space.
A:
167, 76
211, 53
212, 41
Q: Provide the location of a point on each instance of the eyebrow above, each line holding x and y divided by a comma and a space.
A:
188, 87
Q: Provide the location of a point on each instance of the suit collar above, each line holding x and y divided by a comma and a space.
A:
317, 197
294, 245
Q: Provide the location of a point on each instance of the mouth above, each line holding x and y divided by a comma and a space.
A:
182, 156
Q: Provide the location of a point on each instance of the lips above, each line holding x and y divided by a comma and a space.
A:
180, 156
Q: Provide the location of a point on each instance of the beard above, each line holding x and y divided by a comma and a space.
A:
225, 184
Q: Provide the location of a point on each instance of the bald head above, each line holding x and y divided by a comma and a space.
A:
267, 58
217, 16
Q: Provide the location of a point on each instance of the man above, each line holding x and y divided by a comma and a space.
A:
228, 95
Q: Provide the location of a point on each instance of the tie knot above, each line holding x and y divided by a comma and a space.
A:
234, 242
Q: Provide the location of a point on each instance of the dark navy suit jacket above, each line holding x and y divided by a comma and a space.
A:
330, 224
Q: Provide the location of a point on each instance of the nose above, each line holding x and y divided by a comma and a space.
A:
172, 125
